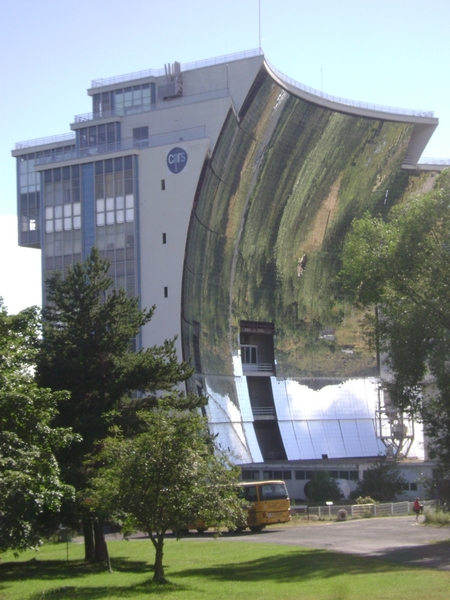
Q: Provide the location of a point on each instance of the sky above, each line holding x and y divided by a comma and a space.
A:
389, 52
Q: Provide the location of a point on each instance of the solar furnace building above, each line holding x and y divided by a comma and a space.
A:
221, 191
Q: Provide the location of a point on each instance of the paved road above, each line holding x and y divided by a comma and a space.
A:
397, 539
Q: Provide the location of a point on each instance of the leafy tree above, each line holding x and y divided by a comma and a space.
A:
323, 488
167, 478
382, 481
29, 474
88, 328
403, 265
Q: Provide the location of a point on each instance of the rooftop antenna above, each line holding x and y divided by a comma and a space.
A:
259, 23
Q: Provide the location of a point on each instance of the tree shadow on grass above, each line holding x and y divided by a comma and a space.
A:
58, 570
62, 569
147, 587
299, 566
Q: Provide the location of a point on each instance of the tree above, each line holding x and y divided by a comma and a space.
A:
403, 266
167, 478
323, 487
86, 348
382, 481
29, 474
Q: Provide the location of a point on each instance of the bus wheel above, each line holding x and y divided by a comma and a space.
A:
239, 529
201, 529
256, 528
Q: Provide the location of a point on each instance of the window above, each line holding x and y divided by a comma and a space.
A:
164, 238
163, 184
140, 137
248, 475
166, 292
249, 355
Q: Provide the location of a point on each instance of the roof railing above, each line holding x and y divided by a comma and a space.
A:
347, 102
186, 67
53, 139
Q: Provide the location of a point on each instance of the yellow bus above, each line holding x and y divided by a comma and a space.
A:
268, 503
265, 502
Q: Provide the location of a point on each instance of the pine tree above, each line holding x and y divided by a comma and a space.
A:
86, 348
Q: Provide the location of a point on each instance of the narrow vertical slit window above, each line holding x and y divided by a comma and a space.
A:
163, 184
164, 238
166, 292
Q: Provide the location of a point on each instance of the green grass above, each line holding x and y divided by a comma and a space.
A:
216, 569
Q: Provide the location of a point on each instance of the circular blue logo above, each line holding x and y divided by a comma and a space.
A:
177, 160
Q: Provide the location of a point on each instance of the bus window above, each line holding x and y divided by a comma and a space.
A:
273, 491
250, 493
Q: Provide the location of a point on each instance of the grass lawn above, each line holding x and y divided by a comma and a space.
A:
214, 570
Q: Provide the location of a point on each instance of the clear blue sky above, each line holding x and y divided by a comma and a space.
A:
391, 52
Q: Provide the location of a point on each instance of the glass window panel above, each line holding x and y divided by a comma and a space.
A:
120, 241
101, 205
66, 173
101, 137
58, 224
129, 200
77, 208
67, 210
48, 226
92, 136
119, 202
83, 137
119, 184
77, 222
100, 219
58, 212
119, 100
129, 215
127, 97
118, 164
76, 194
109, 203
67, 223
109, 184
110, 133
120, 216
49, 212
96, 103
110, 218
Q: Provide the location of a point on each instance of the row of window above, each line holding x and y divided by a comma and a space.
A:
98, 135
65, 217
302, 475
115, 210
124, 100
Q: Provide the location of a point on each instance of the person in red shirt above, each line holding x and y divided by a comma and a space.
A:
417, 507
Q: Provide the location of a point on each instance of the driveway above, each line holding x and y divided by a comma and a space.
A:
398, 539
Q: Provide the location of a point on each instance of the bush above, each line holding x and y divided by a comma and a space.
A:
365, 500
437, 516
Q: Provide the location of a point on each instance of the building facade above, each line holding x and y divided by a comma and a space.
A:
221, 191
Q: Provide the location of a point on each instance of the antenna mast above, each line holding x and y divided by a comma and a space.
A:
259, 22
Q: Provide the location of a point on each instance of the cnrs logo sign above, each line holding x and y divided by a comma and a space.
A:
177, 160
